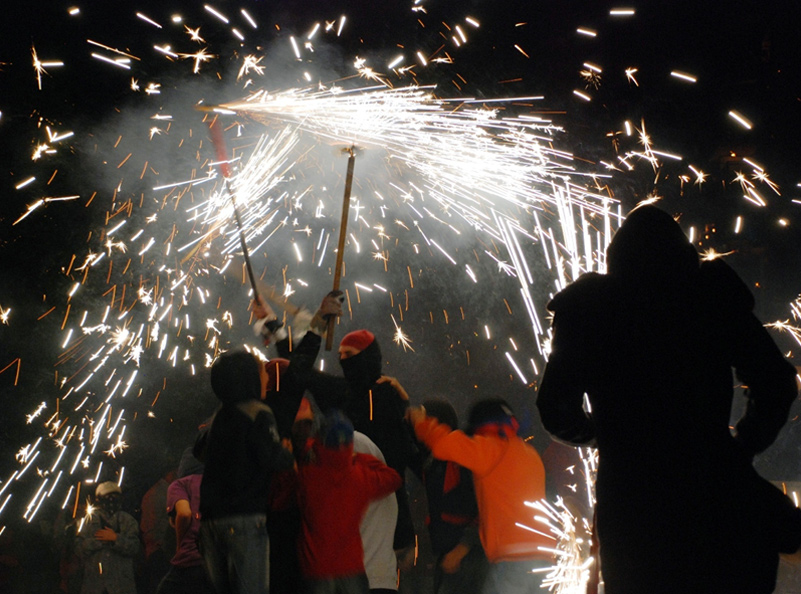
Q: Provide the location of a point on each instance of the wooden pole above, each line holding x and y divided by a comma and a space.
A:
343, 231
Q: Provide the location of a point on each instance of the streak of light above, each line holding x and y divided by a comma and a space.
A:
217, 14
741, 120
683, 76
148, 20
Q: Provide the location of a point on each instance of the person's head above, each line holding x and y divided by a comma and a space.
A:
492, 416
108, 497
336, 431
442, 411
354, 343
276, 369
237, 375
360, 358
650, 245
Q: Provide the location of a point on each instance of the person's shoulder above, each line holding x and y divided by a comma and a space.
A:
722, 286
586, 289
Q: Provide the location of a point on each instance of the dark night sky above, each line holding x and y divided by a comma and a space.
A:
745, 54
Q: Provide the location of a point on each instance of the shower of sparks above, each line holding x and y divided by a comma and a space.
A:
444, 174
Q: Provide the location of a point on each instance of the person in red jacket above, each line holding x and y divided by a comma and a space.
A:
335, 487
507, 473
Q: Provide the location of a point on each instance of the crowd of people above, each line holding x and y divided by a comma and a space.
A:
297, 482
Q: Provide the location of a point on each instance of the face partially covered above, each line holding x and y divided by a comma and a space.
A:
347, 351
110, 503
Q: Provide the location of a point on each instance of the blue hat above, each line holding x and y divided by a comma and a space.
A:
337, 430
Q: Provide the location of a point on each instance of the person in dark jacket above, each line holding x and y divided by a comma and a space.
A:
652, 344
242, 453
452, 515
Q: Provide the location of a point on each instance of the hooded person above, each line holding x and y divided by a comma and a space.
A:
507, 473
376, 409
242, 453
107, 543
652, 344
335, 487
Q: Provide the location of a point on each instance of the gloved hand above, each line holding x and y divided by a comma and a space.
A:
330, 306
267, 323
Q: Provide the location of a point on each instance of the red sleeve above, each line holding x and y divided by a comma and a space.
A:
378, 478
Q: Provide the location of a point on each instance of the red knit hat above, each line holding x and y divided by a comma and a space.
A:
358, 339
275, 368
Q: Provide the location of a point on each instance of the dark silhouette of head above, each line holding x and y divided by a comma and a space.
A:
442, 411
651, 248
236, 376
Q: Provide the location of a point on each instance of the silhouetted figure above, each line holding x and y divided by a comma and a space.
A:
652, 343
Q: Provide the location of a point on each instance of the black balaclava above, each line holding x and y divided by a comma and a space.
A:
364, 369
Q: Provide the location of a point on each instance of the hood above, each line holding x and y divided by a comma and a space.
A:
235, 376
364, 369
651, 249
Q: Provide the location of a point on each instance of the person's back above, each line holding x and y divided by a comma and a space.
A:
652, 344
335, 487
242, 452
507, 473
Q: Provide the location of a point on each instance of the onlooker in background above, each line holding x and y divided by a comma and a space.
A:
651, 345
461, 564
507, 472
107, 543
242, 452
335, 487
187, 573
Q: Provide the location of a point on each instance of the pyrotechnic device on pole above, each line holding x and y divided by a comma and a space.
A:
225, 169
343, 229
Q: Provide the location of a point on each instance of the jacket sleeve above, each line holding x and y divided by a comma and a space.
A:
379, 479
270, 455
478, 454
771, 386
770, 380
286, 402
329, 391
561, 395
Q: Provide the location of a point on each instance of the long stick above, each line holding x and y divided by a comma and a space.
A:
222, 157
343, 231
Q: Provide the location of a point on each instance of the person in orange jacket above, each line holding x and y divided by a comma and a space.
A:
507, 473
